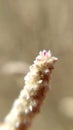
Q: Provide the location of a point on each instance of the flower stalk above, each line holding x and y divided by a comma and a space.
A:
36, 84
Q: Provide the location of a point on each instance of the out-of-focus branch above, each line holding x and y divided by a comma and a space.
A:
28, 104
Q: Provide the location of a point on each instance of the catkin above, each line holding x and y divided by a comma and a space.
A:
36, 84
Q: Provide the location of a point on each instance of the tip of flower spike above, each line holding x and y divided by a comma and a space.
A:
46, 57
45, 53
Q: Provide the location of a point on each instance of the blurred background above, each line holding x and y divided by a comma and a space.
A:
26, 27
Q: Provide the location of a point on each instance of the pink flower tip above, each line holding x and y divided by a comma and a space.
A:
45, 56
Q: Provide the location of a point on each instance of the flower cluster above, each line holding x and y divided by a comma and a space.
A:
33, 93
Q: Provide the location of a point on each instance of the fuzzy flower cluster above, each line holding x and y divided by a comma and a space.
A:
32, 95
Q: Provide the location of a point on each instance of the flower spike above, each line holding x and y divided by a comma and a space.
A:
32, 95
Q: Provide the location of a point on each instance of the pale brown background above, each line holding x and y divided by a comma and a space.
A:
26, 27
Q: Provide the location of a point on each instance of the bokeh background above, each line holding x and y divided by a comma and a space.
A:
26, 27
